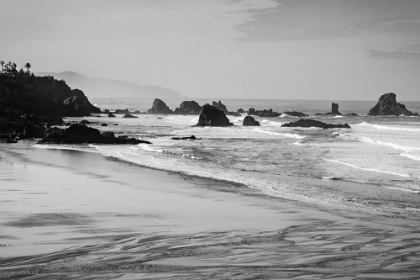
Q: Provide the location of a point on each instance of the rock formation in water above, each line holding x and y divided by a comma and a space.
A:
263, 113
240, 111
211, 116
334, 109
295, 114
129, 116
188, 108
314, 123
219, 105
192, 137
111, 115
81, 134
387, 105
159, 107
250, 121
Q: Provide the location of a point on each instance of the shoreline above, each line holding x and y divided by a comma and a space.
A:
173, 225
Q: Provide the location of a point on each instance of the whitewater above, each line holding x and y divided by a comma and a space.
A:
373, 166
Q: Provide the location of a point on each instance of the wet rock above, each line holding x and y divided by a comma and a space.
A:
81, 134
240, 111
129, 116
314, 123
219, 105
188, 108
250, 121
296, 114
111, 115
387, 105
122, 111
159, 107
211, 116
192, 137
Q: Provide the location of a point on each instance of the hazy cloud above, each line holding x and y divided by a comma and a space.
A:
329, 19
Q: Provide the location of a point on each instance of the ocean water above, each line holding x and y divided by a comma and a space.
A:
373, 166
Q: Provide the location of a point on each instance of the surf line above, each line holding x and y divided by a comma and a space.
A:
367, 169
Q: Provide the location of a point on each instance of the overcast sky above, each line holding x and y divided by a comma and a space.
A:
279, 49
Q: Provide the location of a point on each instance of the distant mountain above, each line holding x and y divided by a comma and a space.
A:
97, 87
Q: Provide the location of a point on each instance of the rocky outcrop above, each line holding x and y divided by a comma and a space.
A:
122, 111
334, 109
240, 111
219, 105
44, 96
188, 108
295, 114
81, 134
250, 121
129, 116
211, 116
314, 123
387, 105
263, 113
192, 137
111, 115
159, 107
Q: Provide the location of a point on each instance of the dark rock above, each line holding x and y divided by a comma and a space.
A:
129, 116
314, 123
250, 121
122, 111
85, 122
104, 124
295, 114
240, 111
219, 105
334, 109
159, 107
188, 108
78, 105
263, 113
33, 131
388, 106
81, 134
136, 112
108, 134
159, 118
352, 115
210, 116
111, 115
192, 137
106, 111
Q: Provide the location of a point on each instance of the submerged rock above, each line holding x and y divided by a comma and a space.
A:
159, 107
250, 121
314, 123
192, 137
387, 105
211, 116
188, 108
129, 116
81, 134
295, 114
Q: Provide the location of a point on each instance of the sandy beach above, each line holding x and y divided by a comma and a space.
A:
67, 214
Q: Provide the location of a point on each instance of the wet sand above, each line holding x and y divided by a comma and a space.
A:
67, 214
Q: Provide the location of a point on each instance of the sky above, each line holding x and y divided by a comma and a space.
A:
250, 49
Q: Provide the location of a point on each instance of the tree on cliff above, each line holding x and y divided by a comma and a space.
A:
28, 66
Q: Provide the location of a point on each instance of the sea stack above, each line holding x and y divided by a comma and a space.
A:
219, 105
159, 107
334, 109
188, 108
250, 121
387, 105
211, 116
